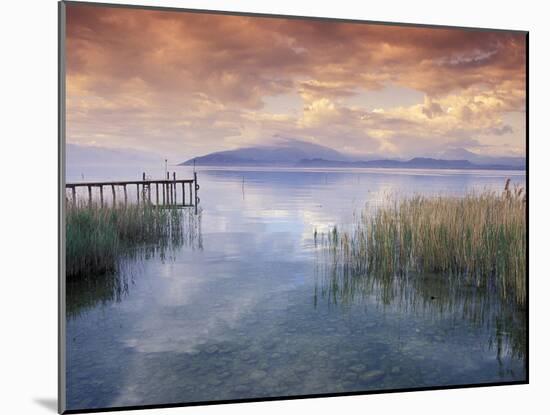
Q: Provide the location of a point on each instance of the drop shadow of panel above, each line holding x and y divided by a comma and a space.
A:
49, 403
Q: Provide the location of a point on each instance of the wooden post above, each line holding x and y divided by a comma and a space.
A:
163, 194
137, 193
171, 185
101, 195
144, 188
74, 195
167, 188
125, 196
157, 192
149, 192
90, 196
196, 195
175, 189
114, 195
183, 193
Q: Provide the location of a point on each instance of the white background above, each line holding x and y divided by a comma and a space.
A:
28, 221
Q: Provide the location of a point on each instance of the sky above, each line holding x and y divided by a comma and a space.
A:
182, 84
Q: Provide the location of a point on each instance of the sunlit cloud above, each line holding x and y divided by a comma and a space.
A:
186, 84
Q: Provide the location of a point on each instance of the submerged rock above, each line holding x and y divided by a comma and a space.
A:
212, 349
257, 374
372, 375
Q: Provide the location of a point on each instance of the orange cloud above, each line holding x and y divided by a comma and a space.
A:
164, 80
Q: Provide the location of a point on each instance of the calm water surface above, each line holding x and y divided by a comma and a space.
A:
245, 311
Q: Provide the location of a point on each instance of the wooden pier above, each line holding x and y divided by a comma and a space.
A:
169, 192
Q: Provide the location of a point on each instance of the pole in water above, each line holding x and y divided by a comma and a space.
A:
175, 188
196, 190
165, 166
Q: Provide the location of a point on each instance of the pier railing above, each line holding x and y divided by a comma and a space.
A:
169, 192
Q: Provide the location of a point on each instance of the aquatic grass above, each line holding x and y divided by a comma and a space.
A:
98, 237
480, 237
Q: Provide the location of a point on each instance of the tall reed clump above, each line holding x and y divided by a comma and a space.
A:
481, 236
96, 237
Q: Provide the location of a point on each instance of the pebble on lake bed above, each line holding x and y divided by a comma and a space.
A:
257, 374
372, 375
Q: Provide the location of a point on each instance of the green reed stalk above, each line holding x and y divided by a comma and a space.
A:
96, 237
479, 236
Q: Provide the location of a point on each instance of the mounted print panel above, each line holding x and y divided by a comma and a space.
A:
258, 207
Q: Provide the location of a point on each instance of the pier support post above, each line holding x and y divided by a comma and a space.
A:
171, 193
196, 193
114, 195
175, 188
167, 188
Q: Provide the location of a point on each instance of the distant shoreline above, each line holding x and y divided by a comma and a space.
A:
415, 163
313, 168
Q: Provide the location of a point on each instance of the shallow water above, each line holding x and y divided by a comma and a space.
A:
246, 314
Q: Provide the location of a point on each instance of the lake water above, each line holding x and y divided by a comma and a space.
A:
244, 312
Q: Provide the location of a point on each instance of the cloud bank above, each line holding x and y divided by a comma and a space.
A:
185, 84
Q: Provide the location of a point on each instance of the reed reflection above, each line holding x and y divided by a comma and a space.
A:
449, 258
110, 280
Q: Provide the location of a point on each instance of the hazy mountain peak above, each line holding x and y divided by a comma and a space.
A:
282, 151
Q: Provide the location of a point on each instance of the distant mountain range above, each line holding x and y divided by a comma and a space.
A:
295, 153
463, 154
414, 163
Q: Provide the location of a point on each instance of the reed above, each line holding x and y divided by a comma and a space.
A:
480, 237
97, 237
